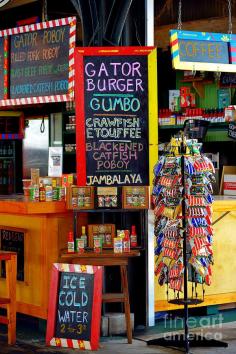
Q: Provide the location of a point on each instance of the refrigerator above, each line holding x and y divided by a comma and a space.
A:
35, 146
7, 166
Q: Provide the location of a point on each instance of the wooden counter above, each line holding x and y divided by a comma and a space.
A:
45, 227
223, 287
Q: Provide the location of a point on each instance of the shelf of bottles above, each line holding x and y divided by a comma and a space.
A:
169, 119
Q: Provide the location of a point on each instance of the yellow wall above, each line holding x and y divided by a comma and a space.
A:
223, 287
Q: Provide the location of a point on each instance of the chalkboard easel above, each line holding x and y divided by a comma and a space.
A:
74, 309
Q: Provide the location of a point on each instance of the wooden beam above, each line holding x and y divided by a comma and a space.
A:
219, 24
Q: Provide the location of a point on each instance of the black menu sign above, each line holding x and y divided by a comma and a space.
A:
228, 80
74, 309
1, 68
39, 62
13, 240
116, 120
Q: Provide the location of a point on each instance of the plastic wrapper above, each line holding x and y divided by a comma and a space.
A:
197, 265
176, 271
195, 201
163, 276
176, 284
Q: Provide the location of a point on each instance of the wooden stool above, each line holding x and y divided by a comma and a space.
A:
109, 258
10, 259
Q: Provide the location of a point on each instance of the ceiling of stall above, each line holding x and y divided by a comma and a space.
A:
5, 5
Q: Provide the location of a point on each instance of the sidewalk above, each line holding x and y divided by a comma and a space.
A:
117, 345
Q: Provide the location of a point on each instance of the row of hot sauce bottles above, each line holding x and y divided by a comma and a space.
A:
168, 196
123, 242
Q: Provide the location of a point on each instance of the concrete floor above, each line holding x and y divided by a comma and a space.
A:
117, 345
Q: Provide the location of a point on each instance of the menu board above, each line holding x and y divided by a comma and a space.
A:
39, 62
74, 306
75, 298
206, 51
228, 80
1, 68
116, 120
13, 240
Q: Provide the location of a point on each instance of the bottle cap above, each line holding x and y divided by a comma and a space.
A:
133, 229
70, 236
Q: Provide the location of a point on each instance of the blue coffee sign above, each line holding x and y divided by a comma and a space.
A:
203, 51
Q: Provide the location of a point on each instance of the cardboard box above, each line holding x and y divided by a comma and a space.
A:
117, 324
230, 114
80, 197
174, 98
228, 180
135, 197
103, 231
229, 185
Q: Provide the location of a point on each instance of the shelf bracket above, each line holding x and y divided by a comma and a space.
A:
200, 88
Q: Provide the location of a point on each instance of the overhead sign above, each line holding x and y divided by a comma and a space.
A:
41, 62
203, 51
112, 91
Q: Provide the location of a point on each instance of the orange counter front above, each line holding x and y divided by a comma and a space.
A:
46, 225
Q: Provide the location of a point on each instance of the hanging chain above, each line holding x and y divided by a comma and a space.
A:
230, 29
45, 10
179, 27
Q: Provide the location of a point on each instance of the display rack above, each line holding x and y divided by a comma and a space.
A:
192, 244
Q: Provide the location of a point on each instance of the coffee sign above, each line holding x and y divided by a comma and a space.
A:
114, 122
205, 51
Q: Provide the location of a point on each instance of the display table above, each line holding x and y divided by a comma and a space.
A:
108, 258
36, 231
223, 287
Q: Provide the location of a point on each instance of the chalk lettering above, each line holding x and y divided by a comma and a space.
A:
113, 122
33, 55
114, 146
115, 69
111, 104
54, 36
116, 85
203, 51
66, 316
113, 180
116, 133
25, 40
18, 57
50, 53
72, 298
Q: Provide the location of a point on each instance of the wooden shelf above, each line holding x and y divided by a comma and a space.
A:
212, 126
198, 84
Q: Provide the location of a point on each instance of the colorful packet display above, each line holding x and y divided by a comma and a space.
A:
168, 197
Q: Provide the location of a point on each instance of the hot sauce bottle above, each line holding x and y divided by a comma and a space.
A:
133, 237
70, 242
126, 242
42, 193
